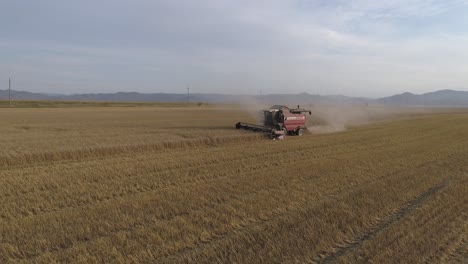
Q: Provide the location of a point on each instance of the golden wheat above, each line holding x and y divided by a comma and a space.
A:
153, 184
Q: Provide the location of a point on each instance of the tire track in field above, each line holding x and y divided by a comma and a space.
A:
276, 214
460, 254
436, 216
459, 251
136, 226
382, 225
426, 221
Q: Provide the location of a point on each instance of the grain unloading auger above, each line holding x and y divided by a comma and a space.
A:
279, 121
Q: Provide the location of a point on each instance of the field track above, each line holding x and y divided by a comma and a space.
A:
381, 225
124, 188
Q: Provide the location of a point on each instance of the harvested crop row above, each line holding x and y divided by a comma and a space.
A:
254, 201
430, 233
313, 228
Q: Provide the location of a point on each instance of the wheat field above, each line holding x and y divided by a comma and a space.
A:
173, 184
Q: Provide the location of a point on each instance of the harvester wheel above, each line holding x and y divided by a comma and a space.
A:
300, 131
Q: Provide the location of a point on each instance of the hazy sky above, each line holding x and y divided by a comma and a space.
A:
360, 48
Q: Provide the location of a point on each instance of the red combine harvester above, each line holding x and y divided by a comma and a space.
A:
279, 121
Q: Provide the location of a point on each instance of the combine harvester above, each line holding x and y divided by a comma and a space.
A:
280, 121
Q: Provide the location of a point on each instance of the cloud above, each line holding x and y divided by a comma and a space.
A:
362, 47
398, 8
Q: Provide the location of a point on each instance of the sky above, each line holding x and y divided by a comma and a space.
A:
365, 48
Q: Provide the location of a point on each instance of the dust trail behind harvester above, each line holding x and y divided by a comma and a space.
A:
336, 118
254, 108
330, 119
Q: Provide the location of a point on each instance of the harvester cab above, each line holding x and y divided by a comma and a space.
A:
280, 121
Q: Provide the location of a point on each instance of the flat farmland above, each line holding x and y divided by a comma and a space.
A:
174, 184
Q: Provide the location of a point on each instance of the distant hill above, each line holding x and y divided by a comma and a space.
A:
303, 98
438, 98
21, 95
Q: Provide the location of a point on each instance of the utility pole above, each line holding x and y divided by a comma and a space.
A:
188, 95
9, 91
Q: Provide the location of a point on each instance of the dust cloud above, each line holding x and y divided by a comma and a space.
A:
254, 108
333, 118
330, 119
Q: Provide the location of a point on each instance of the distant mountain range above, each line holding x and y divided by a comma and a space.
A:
438, 98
